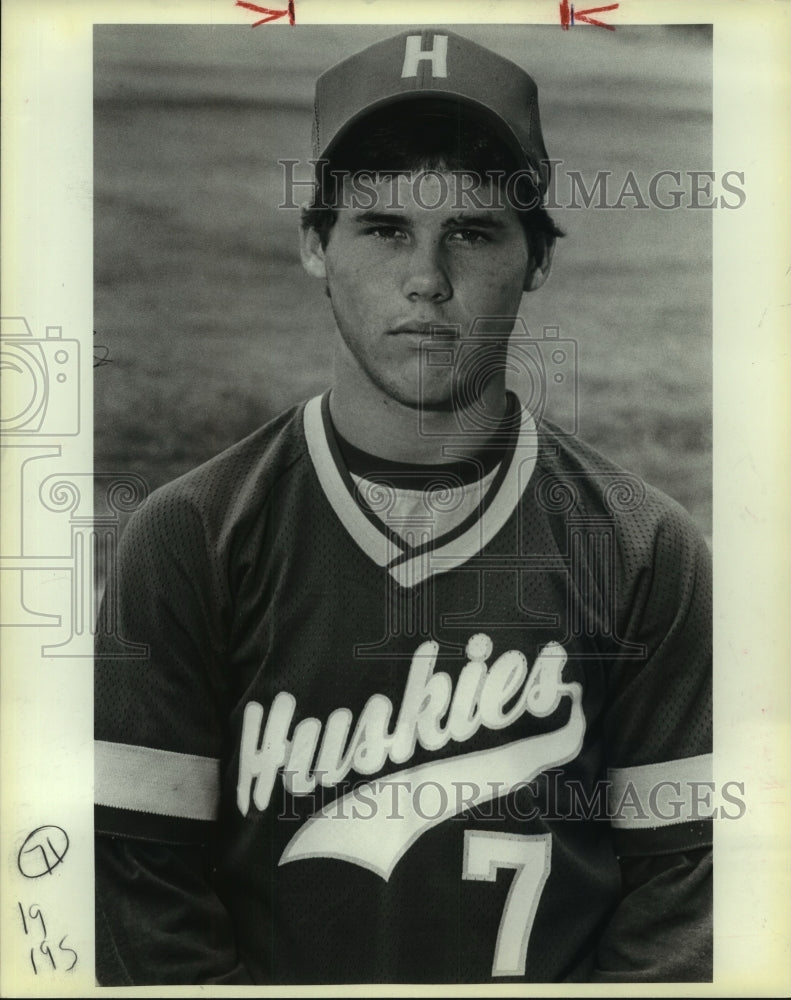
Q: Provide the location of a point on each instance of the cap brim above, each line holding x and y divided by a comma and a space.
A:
442, 103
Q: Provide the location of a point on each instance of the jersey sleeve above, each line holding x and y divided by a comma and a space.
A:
658, 750
658, 722
661, 932
158, 679
158, 919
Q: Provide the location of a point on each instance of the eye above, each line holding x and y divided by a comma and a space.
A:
472, 236
385, 233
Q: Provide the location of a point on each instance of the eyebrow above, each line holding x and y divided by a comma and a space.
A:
480, 220
477, 220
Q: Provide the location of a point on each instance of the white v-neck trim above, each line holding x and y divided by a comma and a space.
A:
406, 511
376, 545
384, 551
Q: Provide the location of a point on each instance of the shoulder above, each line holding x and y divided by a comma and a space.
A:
576, 480
629, 545
231, 489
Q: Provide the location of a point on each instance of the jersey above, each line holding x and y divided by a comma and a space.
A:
417, 751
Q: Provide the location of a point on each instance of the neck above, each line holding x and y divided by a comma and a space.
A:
376, 423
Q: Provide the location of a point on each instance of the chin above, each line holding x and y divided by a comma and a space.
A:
440, 405
430, 403
431, 398
441, 396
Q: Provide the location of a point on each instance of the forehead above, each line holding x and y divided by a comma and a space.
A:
424, 192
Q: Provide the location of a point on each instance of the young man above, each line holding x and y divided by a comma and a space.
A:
427, 693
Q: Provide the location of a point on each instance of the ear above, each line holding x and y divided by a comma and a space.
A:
540, 272
312, 253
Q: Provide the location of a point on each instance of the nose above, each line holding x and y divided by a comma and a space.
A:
426, 278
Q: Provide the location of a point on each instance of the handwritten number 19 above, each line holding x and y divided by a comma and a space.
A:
34, 912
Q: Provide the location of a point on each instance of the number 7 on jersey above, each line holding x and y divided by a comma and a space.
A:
530, 857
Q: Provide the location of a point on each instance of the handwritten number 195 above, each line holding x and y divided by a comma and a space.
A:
45, 949
34, 913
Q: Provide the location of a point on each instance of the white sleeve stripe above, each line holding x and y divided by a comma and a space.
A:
664, 794
143, 779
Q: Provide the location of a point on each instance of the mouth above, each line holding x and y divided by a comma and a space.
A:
438, 331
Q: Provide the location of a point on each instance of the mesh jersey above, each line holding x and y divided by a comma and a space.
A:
417, 754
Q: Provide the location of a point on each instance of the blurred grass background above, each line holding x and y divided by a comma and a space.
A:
212, 327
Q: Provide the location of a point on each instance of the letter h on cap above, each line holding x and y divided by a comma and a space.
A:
414, 54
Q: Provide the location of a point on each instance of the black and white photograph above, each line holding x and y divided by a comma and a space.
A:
427, 677
397, 579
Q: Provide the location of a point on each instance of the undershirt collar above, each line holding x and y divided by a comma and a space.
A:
422, 476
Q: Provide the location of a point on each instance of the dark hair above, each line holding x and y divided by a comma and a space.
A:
443, 137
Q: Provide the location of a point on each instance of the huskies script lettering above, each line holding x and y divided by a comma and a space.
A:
431, 714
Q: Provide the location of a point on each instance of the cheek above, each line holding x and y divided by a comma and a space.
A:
355, 297
362, 279
497, 289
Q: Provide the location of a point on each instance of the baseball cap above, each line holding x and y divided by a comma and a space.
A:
435, 64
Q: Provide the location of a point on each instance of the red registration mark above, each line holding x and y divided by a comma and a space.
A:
569, 16
271, 15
